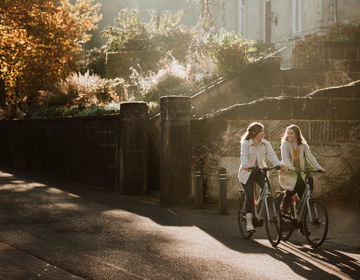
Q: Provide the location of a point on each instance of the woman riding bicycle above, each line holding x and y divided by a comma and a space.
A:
254, 148
294, 152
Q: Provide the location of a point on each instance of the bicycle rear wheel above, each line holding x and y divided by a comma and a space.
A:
316, 230
286, 220
287, 227
273, 223
241, 215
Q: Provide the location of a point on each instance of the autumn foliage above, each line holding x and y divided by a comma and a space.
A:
40, 43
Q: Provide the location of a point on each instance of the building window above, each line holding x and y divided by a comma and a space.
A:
241, 17
296, 16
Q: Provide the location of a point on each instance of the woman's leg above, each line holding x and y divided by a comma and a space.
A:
259, 178
299, 187
249, 192
285, 205
249, 205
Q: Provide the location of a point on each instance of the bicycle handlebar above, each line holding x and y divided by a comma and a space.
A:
308, 170
265, 169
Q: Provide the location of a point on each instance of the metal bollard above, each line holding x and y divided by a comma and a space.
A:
199, 188
222, 192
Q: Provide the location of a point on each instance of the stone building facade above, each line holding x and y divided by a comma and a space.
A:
285, 19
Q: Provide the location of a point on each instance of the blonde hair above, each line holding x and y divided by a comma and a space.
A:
252, 130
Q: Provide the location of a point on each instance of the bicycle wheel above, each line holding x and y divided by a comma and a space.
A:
273, 223
316, 230
286, 227
286, 220
241, 215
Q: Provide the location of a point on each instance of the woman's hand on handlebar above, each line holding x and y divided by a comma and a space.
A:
282, 166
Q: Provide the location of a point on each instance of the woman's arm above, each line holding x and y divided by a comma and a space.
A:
311, 158
285, 156
271, 154
244, 154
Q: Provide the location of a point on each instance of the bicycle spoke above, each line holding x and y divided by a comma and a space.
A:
315, 229
273, 222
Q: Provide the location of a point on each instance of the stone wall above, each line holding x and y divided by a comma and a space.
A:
340, 65
329, 120
108, 152
250, 82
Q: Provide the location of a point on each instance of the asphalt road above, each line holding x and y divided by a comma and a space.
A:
96, 234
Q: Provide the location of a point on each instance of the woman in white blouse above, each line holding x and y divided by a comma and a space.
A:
294, 153
254, 149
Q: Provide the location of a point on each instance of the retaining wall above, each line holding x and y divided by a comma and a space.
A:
339, 65
329, 119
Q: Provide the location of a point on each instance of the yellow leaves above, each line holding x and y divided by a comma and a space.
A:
38, 41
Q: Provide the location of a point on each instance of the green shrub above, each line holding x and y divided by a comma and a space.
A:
128, 34
227, 49
99, 110
168, 35
162, 33
173, 77
230, 51
306, 52
95, 61
76, 93
345, 32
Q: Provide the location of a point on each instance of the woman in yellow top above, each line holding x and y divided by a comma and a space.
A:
294, 152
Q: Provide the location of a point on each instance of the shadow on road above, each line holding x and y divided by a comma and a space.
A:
72, 226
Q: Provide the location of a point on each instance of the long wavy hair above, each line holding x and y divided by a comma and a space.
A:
297, 131
252, 130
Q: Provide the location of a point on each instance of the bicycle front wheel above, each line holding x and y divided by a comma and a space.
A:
273, 222
316, 227
241, 215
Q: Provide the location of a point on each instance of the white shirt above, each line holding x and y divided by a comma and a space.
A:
287, 179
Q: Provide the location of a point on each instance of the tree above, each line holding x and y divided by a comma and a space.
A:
209, 12
40, 44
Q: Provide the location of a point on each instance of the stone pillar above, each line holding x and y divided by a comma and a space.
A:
133, 148
175, 167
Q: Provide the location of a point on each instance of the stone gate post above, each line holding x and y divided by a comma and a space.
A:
175, 167
133, 150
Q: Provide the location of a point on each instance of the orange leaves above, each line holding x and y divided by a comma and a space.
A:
39, 41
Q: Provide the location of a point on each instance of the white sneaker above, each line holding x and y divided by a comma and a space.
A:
250, 227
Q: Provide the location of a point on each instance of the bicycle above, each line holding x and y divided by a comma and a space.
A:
310, 215
266, 209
